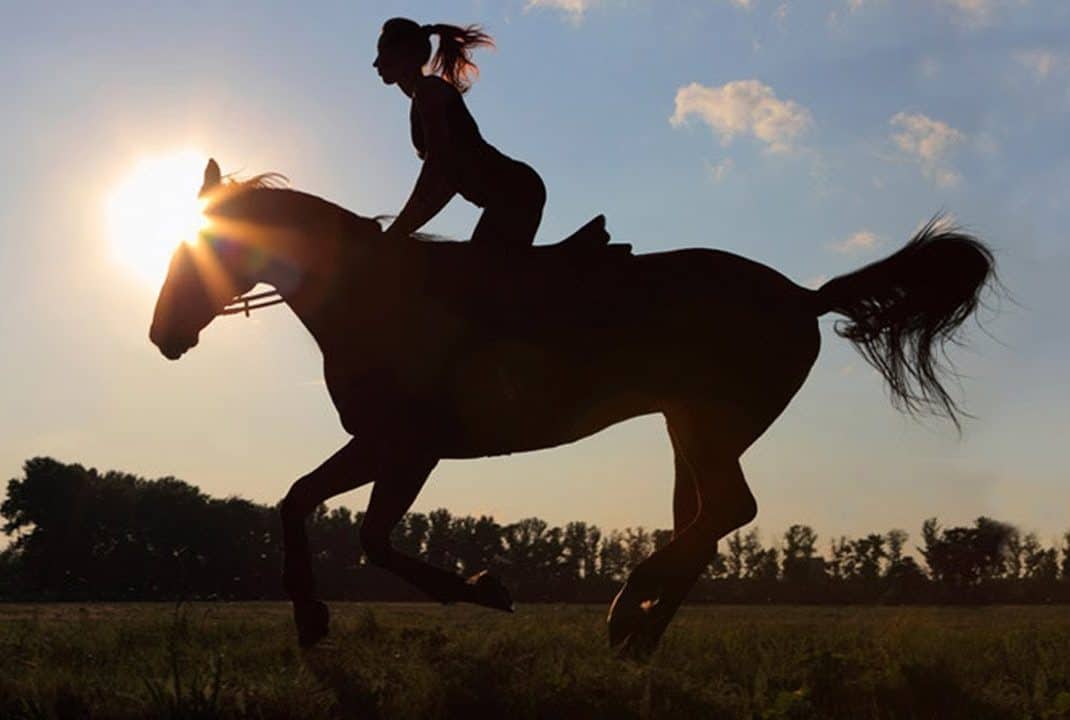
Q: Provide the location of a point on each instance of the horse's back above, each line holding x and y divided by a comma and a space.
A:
738, 310
505, 354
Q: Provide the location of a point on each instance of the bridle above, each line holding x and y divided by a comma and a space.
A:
249, 301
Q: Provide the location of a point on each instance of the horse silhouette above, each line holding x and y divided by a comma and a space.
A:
438, 349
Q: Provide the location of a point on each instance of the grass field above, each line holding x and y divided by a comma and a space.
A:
549, 661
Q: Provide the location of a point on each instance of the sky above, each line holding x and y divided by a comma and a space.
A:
812, 136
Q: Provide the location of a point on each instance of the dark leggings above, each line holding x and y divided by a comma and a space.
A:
511, 221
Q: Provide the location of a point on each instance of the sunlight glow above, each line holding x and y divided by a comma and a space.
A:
154, 208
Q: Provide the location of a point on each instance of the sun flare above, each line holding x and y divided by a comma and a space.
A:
154, 208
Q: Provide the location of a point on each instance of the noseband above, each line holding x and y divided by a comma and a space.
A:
247, 302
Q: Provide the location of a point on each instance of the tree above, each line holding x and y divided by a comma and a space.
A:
1064, 571
733, 561
410, 534
478, 543
1038, 563
865, 556
800, 566
895, 541
961, 558
799, 542
83, 534
612, 557
638, 545
440, 542
580, 551
841, 552
758, 562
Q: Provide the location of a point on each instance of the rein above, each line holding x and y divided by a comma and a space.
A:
247, 302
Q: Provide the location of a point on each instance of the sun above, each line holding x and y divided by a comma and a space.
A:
154, 208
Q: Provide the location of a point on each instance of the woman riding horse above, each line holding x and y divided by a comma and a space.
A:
456, 157
716, 343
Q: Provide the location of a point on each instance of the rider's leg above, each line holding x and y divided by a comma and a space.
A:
513, 221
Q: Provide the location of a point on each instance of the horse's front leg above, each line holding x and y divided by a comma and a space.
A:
352, 466
400, 481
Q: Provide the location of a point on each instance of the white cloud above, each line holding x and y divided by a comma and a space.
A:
852, 6
970, 13
977, 10
929, 67
816, 281
574, 9
781, 13
1042, 62
745, 4
743, 107
859, 241
927, 142
977, 13
721, 169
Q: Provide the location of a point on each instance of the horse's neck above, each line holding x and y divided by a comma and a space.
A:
335, 287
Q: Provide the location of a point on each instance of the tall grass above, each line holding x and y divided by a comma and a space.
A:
421, 661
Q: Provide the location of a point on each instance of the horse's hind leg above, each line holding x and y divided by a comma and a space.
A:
708, 438
710, 500
685, 507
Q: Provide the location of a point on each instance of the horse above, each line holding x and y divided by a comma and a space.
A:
438, 349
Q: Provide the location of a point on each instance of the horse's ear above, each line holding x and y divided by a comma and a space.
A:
212, 176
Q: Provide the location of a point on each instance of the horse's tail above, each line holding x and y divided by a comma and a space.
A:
902, 310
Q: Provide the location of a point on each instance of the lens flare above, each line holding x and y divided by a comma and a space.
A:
154, 208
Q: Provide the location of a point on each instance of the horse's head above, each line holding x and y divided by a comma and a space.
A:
256, 233
204, 276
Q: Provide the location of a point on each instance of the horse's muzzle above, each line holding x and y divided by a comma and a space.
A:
172, 348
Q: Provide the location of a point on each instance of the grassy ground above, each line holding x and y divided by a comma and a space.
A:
424, 661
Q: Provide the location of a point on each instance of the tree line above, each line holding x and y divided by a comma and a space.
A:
81, 534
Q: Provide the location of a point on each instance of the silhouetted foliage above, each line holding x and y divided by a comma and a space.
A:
80, 534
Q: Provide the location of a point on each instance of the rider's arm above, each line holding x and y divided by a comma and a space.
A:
436, 185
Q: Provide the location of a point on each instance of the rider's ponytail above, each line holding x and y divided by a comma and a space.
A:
453, 59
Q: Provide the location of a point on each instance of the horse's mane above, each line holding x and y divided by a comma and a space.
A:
233, 186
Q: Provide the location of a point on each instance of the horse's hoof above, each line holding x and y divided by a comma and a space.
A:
625, 613
312, 618
487, 590
637, 648
641, 643
629, 612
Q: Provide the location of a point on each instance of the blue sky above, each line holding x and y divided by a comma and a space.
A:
813, 136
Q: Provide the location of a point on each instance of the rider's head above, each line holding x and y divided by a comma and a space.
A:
405, 48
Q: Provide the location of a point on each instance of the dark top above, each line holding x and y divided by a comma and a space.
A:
479, 169
463, 131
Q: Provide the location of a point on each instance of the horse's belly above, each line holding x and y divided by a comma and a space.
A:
517, 397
